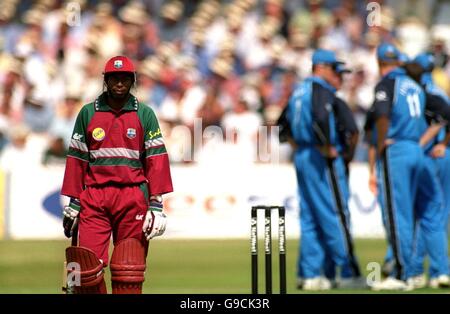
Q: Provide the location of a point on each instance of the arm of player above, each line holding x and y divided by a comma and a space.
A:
382, 126
76, 167
347, 128
322, 101
430, 133
372, 152
157, 172
372, 175
437, 111
155, 221
352, 142
436, 107
381, 112
77, 160
156, 160
70, 220
439, 149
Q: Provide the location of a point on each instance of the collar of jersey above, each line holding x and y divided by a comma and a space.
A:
322, 82
395, 72
101, 105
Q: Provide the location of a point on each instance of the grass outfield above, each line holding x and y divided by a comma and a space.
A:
174, 266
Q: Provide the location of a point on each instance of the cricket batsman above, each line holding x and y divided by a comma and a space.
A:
117, 170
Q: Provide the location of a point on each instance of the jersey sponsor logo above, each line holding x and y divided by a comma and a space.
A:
154, 134
77, 136
131, 133
139, 217
98, 134
118, 64
381, 95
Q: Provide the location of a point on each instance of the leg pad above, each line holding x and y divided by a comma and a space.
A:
128, 267
90, 270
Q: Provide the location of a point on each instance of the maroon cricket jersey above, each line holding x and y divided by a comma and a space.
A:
116, 148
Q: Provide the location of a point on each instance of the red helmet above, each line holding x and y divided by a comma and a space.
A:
119, 64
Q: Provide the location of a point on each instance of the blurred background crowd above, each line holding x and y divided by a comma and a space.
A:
231, 63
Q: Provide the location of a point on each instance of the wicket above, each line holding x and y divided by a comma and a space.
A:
268, 247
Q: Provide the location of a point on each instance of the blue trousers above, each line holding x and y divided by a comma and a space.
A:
398, 173
443, 168
324, 226
432, 218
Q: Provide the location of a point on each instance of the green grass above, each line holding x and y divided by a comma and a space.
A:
174, 266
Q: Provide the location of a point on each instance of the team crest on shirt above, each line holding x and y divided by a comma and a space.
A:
131, 133
98, 134
118, 64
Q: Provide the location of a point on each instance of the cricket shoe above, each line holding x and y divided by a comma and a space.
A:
442, 281
316, 284
334, 282
352, 283
387, 268
418, 282
391, 283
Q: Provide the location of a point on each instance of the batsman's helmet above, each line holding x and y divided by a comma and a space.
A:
119, 64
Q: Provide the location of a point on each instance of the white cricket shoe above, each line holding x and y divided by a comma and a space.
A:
418, 282
391, 283
352, 283
334, 283
316, 284
442, 281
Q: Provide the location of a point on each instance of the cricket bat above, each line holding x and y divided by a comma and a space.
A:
65, 288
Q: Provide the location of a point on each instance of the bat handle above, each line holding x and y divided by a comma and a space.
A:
65, 288
75, 236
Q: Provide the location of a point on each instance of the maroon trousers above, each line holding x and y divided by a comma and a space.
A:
116, 210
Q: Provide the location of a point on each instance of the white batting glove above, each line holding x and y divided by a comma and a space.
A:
155, 220
154, 224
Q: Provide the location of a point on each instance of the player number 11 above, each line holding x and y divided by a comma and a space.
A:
413, 104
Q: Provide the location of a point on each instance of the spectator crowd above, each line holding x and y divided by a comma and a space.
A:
232, 64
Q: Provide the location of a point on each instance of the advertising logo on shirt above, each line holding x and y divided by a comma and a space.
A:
98, 134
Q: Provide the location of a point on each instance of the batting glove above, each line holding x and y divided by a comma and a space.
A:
71, 213
155, 221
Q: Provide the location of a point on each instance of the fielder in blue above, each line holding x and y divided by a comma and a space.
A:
430, 237
347, 139
432, 209
324, 216
398, 115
